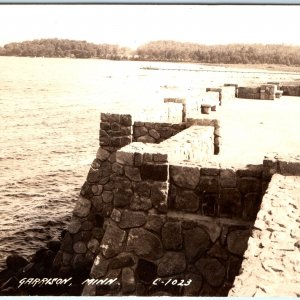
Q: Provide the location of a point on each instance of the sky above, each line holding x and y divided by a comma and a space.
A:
134, 25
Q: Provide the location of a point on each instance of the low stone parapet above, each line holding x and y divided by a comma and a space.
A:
195, 143
155, 132
290, 90
249, 92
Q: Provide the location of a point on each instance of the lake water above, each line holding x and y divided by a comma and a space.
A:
49, 126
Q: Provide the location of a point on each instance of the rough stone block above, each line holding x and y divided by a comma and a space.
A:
255, 171
100, 267
67, 243
93, 175
112, 242
128, 281
105, 126
196, 242
146, 271
209, 204
122, 183
142, 188
125, 140
172, 236
138, 159
74, 225
218, 251
153, 133
122, 197
146, 139
93, 245
82, 208
186, 177
157, 172
237, 241
140, 203
227, 178
160, 157
121, 261
251, 206
208, 184
79, 247
154, 223
107, 196
209, 171
125, 158
171, 263
166, 132
126, 131
115, 142
118, 169
102, 154
144, 244
187, 201
230, 203
159, 196
133, 173
126, 120
249, 185
139, 131
130, 219
137, 123
212, 271
116, 215
115, 126
147, 157
109, 186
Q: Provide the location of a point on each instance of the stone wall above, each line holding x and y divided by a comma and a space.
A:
168, 254
154, 132
271, 264
153, 250
249, 92
217, 192
153, 226
290, 90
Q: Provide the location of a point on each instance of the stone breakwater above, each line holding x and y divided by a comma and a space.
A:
157, 216
141, 216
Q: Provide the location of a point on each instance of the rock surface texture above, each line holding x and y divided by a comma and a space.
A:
272, 260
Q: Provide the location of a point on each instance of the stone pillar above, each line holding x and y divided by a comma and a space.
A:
178, 100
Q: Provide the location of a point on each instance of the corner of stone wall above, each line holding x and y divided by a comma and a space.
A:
217, 130
96, 200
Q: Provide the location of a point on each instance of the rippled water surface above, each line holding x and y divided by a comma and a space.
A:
49, 128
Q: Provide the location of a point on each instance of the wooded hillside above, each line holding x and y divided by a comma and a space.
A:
159, 51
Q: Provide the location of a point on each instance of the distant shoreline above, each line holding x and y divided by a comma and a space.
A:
265, 67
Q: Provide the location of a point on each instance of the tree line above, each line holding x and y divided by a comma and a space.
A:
159, 51
64, 48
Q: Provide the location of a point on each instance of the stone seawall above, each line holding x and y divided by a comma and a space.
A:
156, 221
124, 212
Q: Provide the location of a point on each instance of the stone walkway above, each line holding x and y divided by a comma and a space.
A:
252, 128
272, 261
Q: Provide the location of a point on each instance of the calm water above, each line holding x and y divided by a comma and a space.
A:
49, 111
